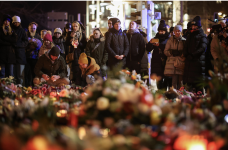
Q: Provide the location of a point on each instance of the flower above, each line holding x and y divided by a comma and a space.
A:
64, 93
68, 87
53, 94
107, 91
143, 108
102, 103
128, 93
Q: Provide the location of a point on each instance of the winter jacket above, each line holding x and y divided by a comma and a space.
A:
158, 57
194, 51
22, 42
136, 46
92, 67
45, 65
215, 44
116, 44
59, 42
173, 44
7, 49
33, 47
99, 54
75, 70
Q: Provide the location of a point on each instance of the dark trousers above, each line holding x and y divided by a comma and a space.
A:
134, 65
29, 71
6, 70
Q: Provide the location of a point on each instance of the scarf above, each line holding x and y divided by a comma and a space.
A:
7, 29
162, 37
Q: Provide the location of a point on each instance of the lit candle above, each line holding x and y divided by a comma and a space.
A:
81, 132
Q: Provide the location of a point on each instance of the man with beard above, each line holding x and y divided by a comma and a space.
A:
51, 68
32, 51
158, 57
22, 42
194, 52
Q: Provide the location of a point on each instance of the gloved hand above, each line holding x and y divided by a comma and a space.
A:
189, 57
175, 53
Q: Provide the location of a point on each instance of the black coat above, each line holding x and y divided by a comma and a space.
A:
22, 42
195, 47
60, 42
208, 56
158, 57
136, 47
7, 50
116, 44
77, 51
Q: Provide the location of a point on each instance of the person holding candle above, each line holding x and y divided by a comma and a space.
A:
51, 67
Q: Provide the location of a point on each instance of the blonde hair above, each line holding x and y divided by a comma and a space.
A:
80, 30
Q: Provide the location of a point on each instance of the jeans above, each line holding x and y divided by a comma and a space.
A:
19, 74
6, 70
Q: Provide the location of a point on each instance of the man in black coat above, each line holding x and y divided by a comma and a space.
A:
194, 51
136, 48
32, 51
7, 54
22, 42
117, 45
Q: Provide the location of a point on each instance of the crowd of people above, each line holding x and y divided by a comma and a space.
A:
178, 56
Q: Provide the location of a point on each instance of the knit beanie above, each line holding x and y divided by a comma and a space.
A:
68, 26
83, 59
196, 21
16, 19
7, 17
178, 27
54, 51
58, 30
162, 26
115, 20
47, 37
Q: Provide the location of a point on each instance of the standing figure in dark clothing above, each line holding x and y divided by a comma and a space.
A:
194, 52
76, 41
117, 45
22, 42
158, 57
8, 39
32, 52
136, 48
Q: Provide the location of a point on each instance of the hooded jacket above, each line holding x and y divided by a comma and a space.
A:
91, 68
47, 66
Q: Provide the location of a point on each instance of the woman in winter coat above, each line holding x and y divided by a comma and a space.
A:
76, 40
136, 48
117, 45
174, 51
47, 44
8, 39
95, 48
158, 56
194, 52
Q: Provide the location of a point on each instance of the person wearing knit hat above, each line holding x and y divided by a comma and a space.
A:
22, 42
51, 67
157, 44
174, 51
47, 44
194, 52
59, 40
7, 54
89, 68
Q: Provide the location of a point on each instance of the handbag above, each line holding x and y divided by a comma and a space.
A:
70, 57
179, 63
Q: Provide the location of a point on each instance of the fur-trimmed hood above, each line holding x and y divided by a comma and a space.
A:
130, 31
91, 38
